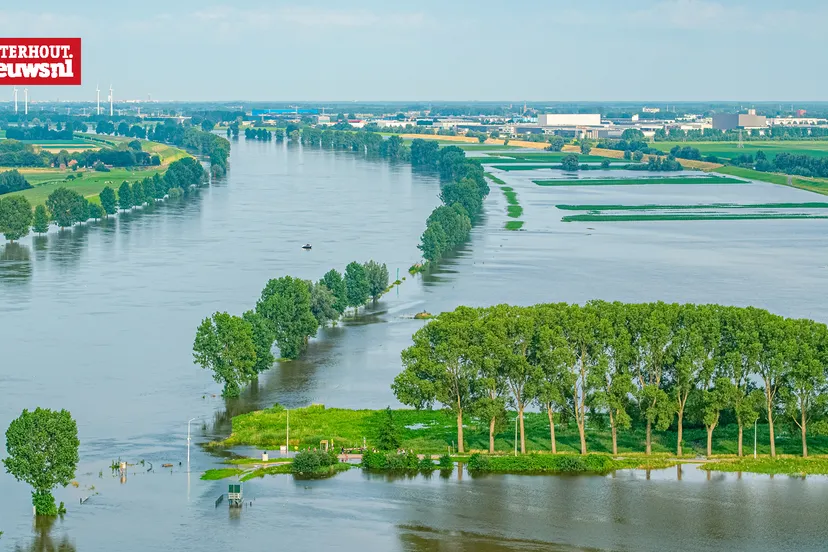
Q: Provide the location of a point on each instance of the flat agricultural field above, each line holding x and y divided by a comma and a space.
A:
674, 180
729, 150
549, 157
45, 181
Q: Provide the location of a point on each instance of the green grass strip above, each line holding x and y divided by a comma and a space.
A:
672, 217
221, 473
514, 211
788, 466
514, 225
588, 207
640, 181
511, 197
494, 179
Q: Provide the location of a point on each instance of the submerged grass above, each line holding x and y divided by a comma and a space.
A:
640, 181
589, 207
511, 197
514, 224
495, 179
816, 185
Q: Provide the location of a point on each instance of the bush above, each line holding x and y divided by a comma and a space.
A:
426, 465
478, 462
373, 460
445, 462
313, 461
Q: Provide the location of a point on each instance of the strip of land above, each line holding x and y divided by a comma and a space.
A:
640, 181
652, 207
688, 217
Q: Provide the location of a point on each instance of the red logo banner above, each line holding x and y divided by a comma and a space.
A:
44, 61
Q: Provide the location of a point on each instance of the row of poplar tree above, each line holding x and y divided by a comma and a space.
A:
288, 313
655, 364
66, 207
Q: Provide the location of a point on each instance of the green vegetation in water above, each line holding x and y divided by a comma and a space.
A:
514, 224
220, 473
767, 465
511, 196
495, 179
423, 315
681, 180
589, 207
279, 469
562, 463
688, 217
514, 211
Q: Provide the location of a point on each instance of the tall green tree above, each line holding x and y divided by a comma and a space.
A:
581, 332
777, 346
611, 375
357, 286
433, 242
552, 355
263, 338
108, 201
42, 447
465, 192
653, 324
67, 207
40, 224
491, 390
15, 217
442, 366
377, 275
286, 303
716, 395
513, 329
138, 198
805, 394
333, 281
388, 434
225, 345
323, 303
570, 162
125, 196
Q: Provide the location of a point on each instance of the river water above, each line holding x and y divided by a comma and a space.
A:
100, 320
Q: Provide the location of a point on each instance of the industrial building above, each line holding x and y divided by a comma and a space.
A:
569, 119
731, 121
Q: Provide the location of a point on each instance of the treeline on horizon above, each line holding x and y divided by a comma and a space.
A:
66, 207
651, 365
288, 313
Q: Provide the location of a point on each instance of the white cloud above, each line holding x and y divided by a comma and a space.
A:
709, 15
228, 17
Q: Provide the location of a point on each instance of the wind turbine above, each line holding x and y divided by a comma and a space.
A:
98, 93
15, 99
25, 101
111, 99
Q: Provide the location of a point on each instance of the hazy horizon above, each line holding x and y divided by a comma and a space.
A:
370, 51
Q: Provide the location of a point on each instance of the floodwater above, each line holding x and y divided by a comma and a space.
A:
100, 320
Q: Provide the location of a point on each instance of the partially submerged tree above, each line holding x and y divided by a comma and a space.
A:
225, 345
42, 447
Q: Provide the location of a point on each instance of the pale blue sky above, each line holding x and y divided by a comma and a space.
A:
576, 50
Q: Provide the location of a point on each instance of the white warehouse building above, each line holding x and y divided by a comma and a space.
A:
570, 119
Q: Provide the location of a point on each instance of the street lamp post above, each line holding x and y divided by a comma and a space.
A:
188, 443
516, 421
754, 439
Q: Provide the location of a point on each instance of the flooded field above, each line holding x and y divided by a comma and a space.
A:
100, 321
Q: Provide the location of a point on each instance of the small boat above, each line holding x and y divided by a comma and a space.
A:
307, 246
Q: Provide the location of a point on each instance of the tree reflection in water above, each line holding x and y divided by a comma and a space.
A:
44, 541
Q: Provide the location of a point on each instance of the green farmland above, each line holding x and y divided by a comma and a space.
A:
641, 181
729, 150
89, 185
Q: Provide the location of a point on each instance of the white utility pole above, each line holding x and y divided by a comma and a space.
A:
15, 99
25, 101
98, 95
188, 443
516, 421
111, 99
754, 439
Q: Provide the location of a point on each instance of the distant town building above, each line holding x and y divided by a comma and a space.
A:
797, 121
569, 119
731, 121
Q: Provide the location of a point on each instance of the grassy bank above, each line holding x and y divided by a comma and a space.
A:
681, 180
714, 206
767, 465
563, 464
46, 181
729, 150
688, 217
434, 431
816, 185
